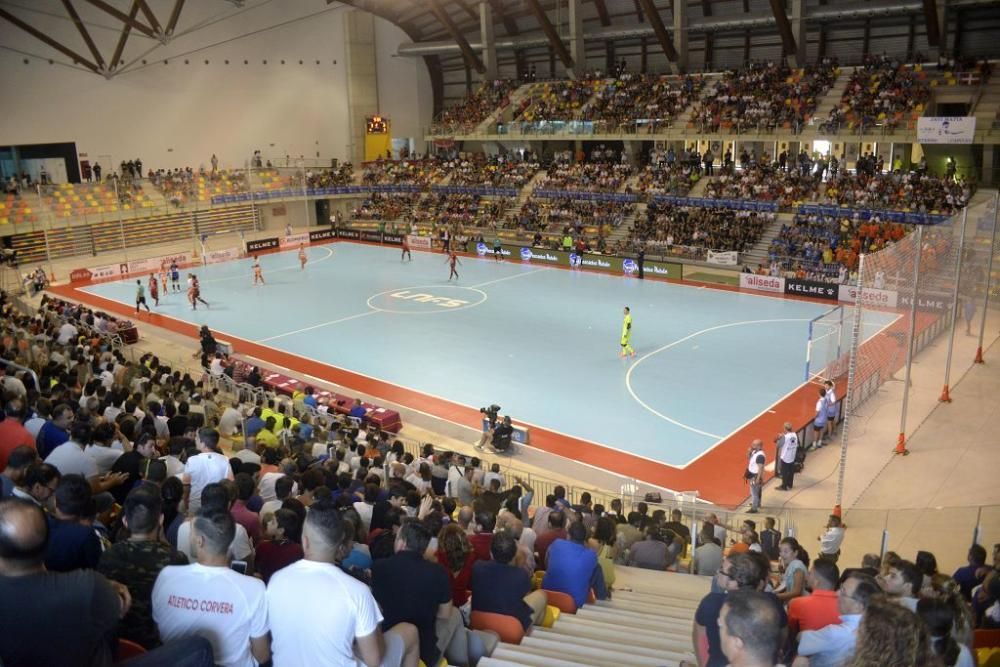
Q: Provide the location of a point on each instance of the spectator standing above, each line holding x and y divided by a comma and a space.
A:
788, 445
754, 475
55, 431
12, 431
210, 600
18, 463
206, 467
283, 547
830, 541
769, 539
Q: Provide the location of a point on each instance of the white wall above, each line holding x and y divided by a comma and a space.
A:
177, 114
404, 86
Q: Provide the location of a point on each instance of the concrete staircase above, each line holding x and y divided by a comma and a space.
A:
622, 231
832, 98
651, 628
758, 254
504, 115
699, 188
986, 107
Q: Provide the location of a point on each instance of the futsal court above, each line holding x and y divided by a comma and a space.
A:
541, 342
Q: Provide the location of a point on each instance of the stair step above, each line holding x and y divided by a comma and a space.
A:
586, 641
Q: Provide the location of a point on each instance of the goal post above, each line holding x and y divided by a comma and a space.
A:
826, 351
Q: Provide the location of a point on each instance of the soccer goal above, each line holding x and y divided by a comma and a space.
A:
827, 348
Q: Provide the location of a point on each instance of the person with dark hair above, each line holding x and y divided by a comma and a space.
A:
939, 617
571, 567
750, 629
19, 460
927, 564
500, 587
485, 523
315, 588
707, 558
971, 575
210, 600
245, 487
738, 572
70, 459
73, 544
891, 636
87, 606
131, 463
12, 431
55, 431
410, 589
283, 531
137, 561
902, 582
205, 468
834, 644
456, 555
818, 609
556, 531
38, 485
793, 579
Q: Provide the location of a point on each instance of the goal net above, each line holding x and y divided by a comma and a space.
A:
827, 348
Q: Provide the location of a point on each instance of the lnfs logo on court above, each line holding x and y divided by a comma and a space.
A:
423, 297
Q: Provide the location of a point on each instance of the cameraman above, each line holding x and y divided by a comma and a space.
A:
491, 413
502, 435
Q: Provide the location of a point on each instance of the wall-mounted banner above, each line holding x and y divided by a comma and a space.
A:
946, 129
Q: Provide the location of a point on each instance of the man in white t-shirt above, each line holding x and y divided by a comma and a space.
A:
315, 588
230, 420
210, 600
756, 460
67, 332
207, 467
788, 445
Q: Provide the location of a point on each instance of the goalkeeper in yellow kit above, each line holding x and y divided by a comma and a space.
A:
627, 334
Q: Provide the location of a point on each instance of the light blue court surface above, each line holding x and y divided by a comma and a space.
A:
541, 342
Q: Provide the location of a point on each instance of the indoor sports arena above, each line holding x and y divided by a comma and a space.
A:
555, 333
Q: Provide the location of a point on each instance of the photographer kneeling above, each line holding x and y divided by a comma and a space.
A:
503, 433
491, 414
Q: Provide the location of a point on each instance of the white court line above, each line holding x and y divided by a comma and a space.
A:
500, 280
628, 375
329, 254
319, 326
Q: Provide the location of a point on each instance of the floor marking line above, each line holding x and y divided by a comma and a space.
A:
269, 272
516, 275
635, 397
318, 326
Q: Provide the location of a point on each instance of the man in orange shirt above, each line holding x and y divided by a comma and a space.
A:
818, 610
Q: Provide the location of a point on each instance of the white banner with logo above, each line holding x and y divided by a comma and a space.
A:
419, 242
216, 256
728, 258
762, 283
295, 240
158, 263
870, 296
946, 129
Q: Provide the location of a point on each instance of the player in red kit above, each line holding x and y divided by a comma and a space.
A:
406, 250
302, 257
154, 289
452, 260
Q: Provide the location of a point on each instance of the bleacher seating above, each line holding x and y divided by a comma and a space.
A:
881, 93
465, 116
641, 102
68, 200
765, 96
686, 231
15, 211
556, 100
